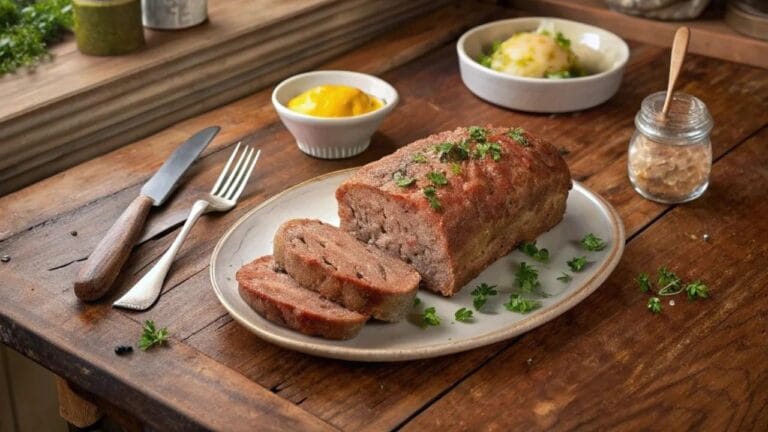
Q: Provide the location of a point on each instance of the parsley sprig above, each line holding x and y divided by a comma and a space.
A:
430, 193
577, 263
520, 304
669, 284
402, 180
463, 315
481, 293
530, 249
592, 243
152, 336
527, 278
437, 178
430, 317
654, 305
518, 134
419, 157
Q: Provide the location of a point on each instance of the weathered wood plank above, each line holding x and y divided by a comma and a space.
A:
610, 364
170, 388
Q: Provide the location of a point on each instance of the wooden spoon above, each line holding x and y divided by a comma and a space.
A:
679, 47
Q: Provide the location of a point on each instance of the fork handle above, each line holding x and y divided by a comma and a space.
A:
99, 272
143, 295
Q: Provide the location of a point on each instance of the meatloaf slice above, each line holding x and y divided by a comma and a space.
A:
454, 202
359, 276
277, 297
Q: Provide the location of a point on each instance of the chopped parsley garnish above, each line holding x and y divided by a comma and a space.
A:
477, 133
401, 180
577, 263
644, 282
654, 305
668, 282
518, 134
492, 148
448, 151
152, 336
563, 41
463, 315
481, 293
430, 317
456, 168
527, 278
485, 58
530, 249
592, 243
419, 157
430, 193
416, 301
520, 304
565, 278
696, 290
437, 178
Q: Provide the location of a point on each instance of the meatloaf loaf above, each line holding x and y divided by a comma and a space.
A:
359, 276
277, 297
454, 202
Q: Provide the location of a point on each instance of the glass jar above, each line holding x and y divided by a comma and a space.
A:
108, 27
670, 157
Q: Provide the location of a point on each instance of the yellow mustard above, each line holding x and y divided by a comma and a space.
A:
334, 101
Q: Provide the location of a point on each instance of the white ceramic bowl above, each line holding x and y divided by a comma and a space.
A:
333, 137
601, 52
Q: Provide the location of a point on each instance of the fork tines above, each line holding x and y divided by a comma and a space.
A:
231, 183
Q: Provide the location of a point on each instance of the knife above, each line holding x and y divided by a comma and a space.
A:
99, 272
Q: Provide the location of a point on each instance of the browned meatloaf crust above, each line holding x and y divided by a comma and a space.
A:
486, 209
280, 299
359, 276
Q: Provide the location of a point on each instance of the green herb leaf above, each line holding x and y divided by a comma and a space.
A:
654, 305
481, 293
644, 282
565, 278
430, 193
477, 133
448, 151
437, 178
592, 243
577, 263
518, 134
668, 282
519, 304
530, 249
563, 41
416, 301
463, 315
527, 278
485, 58
401, 180
456, 168
697, 290
419, 157
492, 148
430, 317
152, 336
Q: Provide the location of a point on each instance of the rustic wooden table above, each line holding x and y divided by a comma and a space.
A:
606, 364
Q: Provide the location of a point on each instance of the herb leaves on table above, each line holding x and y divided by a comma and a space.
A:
152, 336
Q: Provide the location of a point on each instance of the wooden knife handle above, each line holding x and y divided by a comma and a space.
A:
103, 265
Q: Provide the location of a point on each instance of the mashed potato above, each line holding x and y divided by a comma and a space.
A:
536, 54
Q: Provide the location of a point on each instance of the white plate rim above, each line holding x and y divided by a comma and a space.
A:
569, 300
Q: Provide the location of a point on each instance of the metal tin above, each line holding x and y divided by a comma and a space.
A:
173, 14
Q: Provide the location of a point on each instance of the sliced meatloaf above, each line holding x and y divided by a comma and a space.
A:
359, 276
454, 202
277, 297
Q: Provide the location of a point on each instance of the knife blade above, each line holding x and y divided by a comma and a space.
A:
99, 272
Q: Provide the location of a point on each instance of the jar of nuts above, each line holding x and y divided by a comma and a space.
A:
670, 156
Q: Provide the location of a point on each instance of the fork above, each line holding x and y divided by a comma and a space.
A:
223, 197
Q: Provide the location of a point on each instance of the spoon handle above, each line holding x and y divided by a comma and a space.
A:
679, 47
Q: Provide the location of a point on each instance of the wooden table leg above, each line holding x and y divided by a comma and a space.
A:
73, 408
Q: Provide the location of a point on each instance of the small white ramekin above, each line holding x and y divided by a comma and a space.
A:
600, 50
333, 137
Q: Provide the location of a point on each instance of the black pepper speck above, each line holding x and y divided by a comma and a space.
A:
123, 349
73, 233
